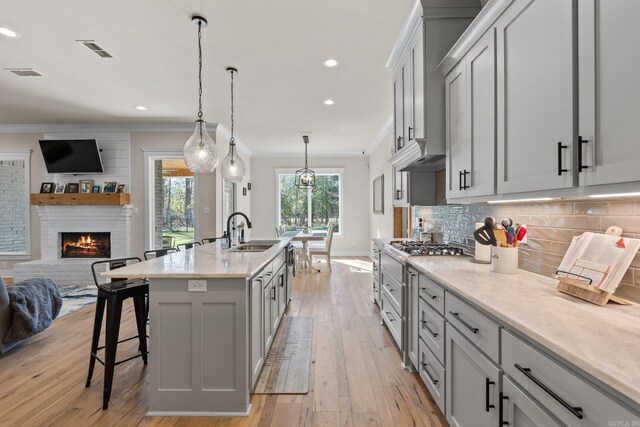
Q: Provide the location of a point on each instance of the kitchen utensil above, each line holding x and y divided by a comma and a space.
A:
507, 222
501, 237
490, 222
482, 236
521, 233
614, 230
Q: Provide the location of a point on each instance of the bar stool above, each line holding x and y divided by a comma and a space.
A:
157, 253
113, 294
186, 246
208, 240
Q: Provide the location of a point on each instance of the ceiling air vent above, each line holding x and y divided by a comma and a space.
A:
24, 72
94, 47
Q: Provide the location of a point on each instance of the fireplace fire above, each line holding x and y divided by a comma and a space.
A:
85, 245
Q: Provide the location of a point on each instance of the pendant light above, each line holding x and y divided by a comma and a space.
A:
232, 166
305, 177
200, 153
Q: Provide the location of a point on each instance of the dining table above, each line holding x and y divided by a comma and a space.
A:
305, 238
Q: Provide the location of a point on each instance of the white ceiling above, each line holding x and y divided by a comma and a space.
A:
277, 45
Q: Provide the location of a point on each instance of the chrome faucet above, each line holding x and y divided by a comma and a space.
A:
228, 234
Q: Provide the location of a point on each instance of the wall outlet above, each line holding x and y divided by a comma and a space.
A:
197, 285
206, 210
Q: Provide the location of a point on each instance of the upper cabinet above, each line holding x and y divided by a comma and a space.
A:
559, 99
535, 40
609, 91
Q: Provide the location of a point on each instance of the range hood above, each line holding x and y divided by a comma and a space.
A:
419, 156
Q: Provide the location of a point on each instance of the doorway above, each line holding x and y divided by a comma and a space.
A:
170, 201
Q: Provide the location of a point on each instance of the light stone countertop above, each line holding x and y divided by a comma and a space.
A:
602, 341
206, 261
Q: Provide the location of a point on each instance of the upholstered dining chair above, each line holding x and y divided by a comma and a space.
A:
322, 249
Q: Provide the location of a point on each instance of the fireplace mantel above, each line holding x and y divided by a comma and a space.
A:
75, 199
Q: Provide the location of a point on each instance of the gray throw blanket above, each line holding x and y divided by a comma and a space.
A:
35, 304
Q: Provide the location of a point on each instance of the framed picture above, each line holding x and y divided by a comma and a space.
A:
110, 187
59, 188
72, 187
95, 189
120, 188
378, 195
86, 185
47, 187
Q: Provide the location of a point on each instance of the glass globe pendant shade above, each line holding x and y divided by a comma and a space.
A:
232, 166
200, 153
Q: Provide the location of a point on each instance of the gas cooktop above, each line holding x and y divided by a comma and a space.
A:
426, 248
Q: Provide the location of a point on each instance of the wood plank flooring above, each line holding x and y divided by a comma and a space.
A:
356, 375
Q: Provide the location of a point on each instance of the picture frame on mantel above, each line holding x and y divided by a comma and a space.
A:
378, 195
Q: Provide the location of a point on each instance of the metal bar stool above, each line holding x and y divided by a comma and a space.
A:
112, 294
157, 253
186, 246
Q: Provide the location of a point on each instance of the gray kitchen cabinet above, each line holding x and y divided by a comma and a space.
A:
275, 314
472, 384
257, 348
412, 313
267, 326
419, 125
401, 188
609, 93
518, 409
280, 283
535, 96
456, 130
407, 78
470, 111
375, 276
398, 109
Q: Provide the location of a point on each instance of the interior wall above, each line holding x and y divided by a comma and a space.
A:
21, 142
381, 225
356, 205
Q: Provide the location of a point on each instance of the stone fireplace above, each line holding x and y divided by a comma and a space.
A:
107, 234
85, 245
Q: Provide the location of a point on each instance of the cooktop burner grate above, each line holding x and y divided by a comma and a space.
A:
412, 247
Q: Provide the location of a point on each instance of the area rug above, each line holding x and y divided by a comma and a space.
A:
288, 365
76, 297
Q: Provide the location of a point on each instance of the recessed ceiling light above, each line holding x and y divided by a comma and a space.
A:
141, 108
330, 63
8, 32
329, 102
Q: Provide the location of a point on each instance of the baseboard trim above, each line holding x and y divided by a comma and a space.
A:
198, 413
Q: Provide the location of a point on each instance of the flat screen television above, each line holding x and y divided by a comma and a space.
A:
74, 156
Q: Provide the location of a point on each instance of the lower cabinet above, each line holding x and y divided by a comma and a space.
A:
518, 409
412, 314
267, 326
280, 282
257, 349
275, 314
473, 384
432, 373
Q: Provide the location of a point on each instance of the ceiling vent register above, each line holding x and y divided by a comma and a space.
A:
94, 47
24, 72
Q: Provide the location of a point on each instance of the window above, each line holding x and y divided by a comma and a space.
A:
317, 208
14, 205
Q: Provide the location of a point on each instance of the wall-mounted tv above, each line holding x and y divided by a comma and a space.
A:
75, 156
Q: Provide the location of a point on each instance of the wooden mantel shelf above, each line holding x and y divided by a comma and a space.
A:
71, 199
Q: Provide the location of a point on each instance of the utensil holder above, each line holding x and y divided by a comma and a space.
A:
504, 260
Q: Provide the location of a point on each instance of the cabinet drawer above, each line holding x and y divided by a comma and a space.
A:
392, 319
394, 290
432, 293
431, 327
267, 272
432, 373
279, 260
478, 328
558, 389
393, 267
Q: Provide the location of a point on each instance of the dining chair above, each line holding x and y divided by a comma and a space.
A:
185, 246
322, 249
157, 253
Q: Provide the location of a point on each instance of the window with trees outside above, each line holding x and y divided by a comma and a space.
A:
316, 209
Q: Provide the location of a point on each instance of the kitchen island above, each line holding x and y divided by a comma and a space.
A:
213, 315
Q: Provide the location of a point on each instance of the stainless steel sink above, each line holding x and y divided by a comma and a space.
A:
255, 246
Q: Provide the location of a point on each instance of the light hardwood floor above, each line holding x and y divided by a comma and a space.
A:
356, 376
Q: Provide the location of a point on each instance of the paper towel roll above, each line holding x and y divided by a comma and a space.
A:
483, 252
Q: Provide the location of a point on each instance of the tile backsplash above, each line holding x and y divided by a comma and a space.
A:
551, 226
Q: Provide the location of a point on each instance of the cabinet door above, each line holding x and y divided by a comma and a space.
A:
456, 131
520, 410
257, 347
473, 381
535, 59
266, 319
412, 317
401, 195
275, 315
418, 85
609, 93
282, 290
481, 154
408, 99
398, 109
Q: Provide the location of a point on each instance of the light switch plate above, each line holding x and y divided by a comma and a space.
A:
206, 209
197, 285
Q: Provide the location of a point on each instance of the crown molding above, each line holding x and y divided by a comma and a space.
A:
102, 127
382, 133
272, 154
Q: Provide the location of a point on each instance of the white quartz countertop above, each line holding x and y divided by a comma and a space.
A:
602, 341
206, 261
